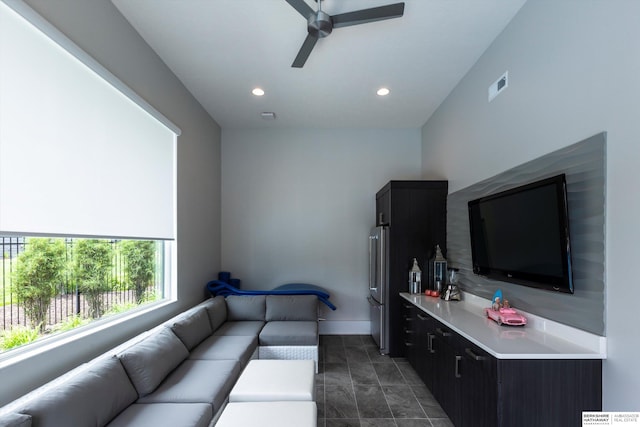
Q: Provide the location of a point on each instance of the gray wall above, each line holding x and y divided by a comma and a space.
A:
573, 68
298, 206
583, 166
98, 28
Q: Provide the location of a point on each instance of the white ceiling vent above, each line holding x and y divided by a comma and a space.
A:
499, 85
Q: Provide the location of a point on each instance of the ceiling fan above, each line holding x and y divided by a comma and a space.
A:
320, 24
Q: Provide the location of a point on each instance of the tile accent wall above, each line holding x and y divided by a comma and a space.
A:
583, 163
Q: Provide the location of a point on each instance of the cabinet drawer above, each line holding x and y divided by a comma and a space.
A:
407, 327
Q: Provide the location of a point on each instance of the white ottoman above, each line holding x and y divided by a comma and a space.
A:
275, 380
269, 414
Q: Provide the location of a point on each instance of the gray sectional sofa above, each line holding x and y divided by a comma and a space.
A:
179, 373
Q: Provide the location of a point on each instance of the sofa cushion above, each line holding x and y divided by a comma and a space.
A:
149, 361
164, 414
92, 397
271, 414
246, 307
217, 310
275, 380
289, 333
193, 327
197, 381
229, 347
15, 420
242, 327
291, 307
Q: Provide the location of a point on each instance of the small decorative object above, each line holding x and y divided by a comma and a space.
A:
452, 293
438, 266
496, 301
502, 313
415, 281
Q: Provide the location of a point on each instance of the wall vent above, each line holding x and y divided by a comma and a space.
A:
499, 85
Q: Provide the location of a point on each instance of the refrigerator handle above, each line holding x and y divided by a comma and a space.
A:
382, 253
372, 263
373, 302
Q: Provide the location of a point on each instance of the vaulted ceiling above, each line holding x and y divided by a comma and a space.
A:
222, 49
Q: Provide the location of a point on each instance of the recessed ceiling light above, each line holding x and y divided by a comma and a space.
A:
257, 91
383, 91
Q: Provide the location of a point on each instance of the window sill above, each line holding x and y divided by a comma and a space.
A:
43, 345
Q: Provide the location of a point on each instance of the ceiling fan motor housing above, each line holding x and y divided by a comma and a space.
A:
320, 24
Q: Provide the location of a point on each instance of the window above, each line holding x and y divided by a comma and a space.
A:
52, 285
85, 164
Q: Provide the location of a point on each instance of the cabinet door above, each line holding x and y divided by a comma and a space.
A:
446, 378
542, 392
478, 386
383, 208
424, 364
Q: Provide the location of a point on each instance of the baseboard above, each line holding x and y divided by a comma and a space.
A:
344, 327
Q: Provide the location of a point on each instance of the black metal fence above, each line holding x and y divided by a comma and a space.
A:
69, 300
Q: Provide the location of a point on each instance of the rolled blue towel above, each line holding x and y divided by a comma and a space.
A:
224, 276
217, 287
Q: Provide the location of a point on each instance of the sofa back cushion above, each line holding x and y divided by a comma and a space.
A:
246, 307
15, 420
291, 307
192, 327
93, 397
148, 362
217, 310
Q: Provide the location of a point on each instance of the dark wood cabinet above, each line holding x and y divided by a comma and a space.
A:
548, 392
423, 352
477, 389
418, 338
478, 386
416, 214
383, 207
446, 384
409, 333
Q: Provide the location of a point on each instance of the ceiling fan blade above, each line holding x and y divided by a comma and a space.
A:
303, 8
363, 16
304, 51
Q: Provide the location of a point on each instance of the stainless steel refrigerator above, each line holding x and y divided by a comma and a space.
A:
378, 287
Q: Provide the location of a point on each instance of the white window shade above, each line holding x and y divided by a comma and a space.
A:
77, 156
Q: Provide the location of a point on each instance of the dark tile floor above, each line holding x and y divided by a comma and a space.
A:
357, 387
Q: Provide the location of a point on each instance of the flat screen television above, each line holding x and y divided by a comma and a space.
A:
522, 235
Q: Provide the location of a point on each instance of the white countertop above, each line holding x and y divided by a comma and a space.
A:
539, 339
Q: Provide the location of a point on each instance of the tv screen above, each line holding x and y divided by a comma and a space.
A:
522, 235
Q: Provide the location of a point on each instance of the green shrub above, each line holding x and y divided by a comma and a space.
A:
121, 308
70, 322
38, 273
17, 336
92, 260
140, 265
150, 296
